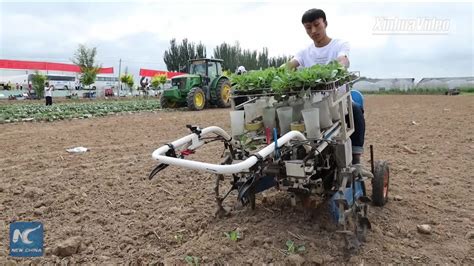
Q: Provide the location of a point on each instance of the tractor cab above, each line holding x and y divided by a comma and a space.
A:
205, 67
208, 69
204, 85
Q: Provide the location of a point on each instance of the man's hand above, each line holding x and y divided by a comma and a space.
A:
292, 64
344, 60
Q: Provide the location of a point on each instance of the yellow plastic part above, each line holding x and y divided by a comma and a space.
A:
254, 126
297, 126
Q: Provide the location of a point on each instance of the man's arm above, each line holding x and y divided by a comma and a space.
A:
343, 54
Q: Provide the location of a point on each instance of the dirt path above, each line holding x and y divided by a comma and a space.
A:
102, 197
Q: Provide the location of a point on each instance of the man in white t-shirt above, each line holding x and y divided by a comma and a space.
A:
241, 70
323, 50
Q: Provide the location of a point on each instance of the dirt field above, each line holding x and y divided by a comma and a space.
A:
102, 199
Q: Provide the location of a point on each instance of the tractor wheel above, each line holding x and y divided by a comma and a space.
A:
196, 99
223, 93
380, 183
166, 103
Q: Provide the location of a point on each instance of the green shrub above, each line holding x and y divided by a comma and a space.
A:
38, 83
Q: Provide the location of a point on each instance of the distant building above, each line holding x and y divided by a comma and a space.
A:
446, 83
369, 84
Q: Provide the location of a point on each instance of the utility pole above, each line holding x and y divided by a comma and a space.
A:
120, 82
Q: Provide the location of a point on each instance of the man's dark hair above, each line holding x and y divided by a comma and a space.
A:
312, 15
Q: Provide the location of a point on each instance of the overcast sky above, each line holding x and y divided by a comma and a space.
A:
139, 32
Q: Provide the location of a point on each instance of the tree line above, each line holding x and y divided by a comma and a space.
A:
178, 54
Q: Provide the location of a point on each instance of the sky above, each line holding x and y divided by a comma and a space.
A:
139, 32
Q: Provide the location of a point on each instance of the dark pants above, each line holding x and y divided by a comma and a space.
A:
49, 100
358, 136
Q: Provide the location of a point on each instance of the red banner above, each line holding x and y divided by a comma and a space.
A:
151, 73
33, 65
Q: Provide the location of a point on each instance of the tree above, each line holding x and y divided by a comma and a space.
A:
248, 59
85, 59
262, 60
171, 57
230, 54
177, 56
127, 79
200, 50
158, 80
38, 81
278, 61
233, 56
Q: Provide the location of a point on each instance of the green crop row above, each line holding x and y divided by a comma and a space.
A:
39, 112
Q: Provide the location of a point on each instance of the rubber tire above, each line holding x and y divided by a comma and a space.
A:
165, 103
378, 199
220, 85
190, 99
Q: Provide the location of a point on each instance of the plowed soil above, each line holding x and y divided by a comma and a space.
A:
103, 197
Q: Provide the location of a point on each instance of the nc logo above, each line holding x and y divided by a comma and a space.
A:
17, 234
26, 239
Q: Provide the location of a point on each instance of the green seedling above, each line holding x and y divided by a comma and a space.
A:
192, 260
247, 143
232, 235
72, 110
282, 80
292, 248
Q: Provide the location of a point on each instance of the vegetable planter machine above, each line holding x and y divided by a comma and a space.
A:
304, 166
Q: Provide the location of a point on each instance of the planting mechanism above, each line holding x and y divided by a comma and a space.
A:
314, 160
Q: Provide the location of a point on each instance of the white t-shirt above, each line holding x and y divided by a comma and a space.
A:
48, 92
313, 55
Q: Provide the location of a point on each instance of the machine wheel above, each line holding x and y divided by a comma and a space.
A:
380, 183
223, 93
166, 103
196, 99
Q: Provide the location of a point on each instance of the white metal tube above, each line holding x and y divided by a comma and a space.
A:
218, 168
186, 139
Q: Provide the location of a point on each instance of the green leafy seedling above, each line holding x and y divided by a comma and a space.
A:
232, 235
301, 248
247, 142
192, 260
292, 248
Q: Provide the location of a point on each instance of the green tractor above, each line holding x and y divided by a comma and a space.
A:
202, 87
